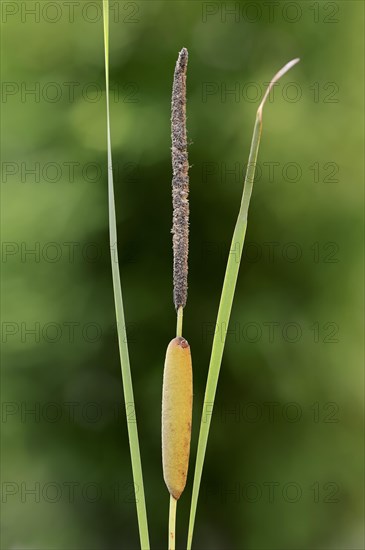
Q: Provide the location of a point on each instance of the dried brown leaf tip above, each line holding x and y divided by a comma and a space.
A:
180, 181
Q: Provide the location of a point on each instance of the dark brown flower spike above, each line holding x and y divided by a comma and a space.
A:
180, 181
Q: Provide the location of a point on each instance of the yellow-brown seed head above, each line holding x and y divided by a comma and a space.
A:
177, 402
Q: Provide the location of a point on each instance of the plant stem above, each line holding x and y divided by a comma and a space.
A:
179, 323
173, 501
225, 304
172, 523
123, 346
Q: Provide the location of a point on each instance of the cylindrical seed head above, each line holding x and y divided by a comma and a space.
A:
177, 403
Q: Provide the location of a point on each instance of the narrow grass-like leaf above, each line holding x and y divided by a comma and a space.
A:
123, 345
226, 301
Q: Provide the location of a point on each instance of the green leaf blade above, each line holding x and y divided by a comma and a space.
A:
119, 310
226, 301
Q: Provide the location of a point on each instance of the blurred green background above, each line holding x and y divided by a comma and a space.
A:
284, 466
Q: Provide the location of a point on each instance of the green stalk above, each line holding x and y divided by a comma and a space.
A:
179, 322
123, 346
172, 523
226, 301
173, 501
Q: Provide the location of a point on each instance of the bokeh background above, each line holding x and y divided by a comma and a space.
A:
284, 466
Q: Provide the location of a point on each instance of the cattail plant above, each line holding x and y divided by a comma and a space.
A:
177, 393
